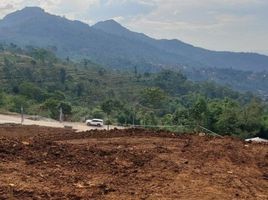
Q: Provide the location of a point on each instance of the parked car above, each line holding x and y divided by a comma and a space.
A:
95, 122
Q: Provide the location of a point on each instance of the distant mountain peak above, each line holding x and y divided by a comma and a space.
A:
113, 27
33, 9
109, 25
111, 21
27, 12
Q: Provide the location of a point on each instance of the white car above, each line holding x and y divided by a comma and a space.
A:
95, 122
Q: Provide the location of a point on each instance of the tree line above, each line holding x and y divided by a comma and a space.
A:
42, 83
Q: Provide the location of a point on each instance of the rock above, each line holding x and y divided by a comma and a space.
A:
202, 134
25, 143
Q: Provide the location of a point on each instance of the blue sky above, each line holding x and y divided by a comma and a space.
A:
235, 25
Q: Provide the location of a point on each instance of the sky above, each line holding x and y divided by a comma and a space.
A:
232, 25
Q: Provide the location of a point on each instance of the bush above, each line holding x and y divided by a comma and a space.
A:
31, 91
97, 113
17, 102
2, 101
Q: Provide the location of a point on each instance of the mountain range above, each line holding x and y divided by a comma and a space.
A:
113, 45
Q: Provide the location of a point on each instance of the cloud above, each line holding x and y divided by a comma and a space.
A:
107, 9
221, 25
71, 9
5, 8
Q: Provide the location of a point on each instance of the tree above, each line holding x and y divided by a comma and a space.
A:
62, 75
58, 95
110, 106
149, 118
52, 106
2, 96
135, 71
167, 120
97, 113
228, 122
33, 62
1, 48
171, 82
66, 108
215, 110
153, 97
127, 116
43, 55
107, 107
31, 91
101, 72
251, 117
17, 102
199, 111
8, 65
79, 89
263, 133
182, 117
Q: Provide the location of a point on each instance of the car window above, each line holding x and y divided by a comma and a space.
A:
96, 120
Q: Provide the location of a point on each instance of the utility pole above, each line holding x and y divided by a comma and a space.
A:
61, 115
22, 114
133, 117
108, 124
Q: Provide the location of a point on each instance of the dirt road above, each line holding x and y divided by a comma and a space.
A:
16, 119
48, 163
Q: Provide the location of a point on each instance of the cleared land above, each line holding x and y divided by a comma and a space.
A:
48, 163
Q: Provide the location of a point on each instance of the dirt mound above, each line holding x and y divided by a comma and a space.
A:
47, 163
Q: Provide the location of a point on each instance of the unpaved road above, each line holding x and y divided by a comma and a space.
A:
16, 119
47, 163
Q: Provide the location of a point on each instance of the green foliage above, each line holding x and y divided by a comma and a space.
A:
199, 110
43, 55
52, 106
251, 117
171, 82
122, 119
97, 113
228, 122
58, 95
66, 108
41, 83
149, 118
31, 91
182, 117
153, 97
167, 120
240, 80
107, 107
263, 133
62, 75
17, 102
2, 98
127, 116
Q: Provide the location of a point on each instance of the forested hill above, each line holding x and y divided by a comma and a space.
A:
111, 44
40, 82
243, 81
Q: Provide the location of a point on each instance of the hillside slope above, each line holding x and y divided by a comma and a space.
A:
42, 84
